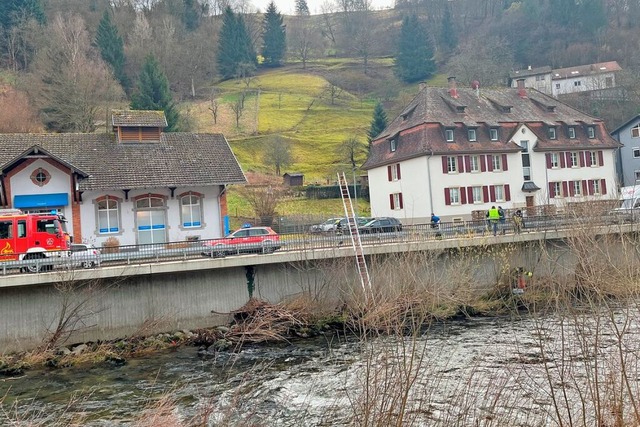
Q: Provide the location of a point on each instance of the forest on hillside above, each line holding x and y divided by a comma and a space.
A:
63, 60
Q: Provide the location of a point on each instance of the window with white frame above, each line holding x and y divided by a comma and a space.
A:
449, 134
596, 187
591, 132
636, 152
454, 196
635, 131
191, 210
397, 201
572, 132
499, 189
452, 164
493, 134
577, 83
557, 189
472, 134
574, 159
496, 160
577, 188
108, 215
392, 145
555, 160
637, 175
593, 158
557, 85
552, 133
395, 172
478, 196
474, 162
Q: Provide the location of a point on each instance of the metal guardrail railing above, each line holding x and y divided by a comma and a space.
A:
184, 250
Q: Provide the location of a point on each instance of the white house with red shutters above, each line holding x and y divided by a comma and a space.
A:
459, 150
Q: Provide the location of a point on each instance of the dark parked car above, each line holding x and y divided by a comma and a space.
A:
381, 225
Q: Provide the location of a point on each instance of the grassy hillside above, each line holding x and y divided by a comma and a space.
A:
315, 110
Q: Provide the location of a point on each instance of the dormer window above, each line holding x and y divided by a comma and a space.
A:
471, 133
572, 132
552, 133
392, 145
493, 134
591, 131
448, 133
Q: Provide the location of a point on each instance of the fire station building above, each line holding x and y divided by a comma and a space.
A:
137, 183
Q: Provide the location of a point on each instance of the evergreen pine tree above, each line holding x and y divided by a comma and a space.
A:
235, 50
112, 48
449, 37
302, 8
378, 123
273, 37
192, 14
153, 93
415, 52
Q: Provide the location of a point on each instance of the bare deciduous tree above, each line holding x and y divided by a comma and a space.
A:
214, 105
264, 201
238, 107
277, 153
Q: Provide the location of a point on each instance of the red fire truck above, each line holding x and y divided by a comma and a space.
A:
32, 237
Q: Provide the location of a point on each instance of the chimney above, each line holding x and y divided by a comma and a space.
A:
529, 68
422, 85
475, 85
522, 92
453, 91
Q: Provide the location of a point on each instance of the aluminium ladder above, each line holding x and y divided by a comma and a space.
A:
356, 243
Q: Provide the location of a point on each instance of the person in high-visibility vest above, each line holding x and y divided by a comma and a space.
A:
494, 218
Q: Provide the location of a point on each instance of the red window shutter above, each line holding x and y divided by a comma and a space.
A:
585, 188
563, 160
483, 163
485, 194
398, 166
391, 201
600, 158
467, 163
461, 164
552, 193
470, 194
489, 163
590, 187
400, 200
583, 155
572, 191
507, 193
389, 172
603, 184
548, 156
447, 197
565, 188
505, 167
444, 165
463, 196
492, 193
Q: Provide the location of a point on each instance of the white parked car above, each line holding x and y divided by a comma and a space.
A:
84, 255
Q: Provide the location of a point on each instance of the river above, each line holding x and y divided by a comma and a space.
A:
522, 371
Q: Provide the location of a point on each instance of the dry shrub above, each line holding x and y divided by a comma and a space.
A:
162, 413
16, 115
111, 246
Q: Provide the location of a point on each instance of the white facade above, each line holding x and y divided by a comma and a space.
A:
572, 83
423, 183
128, 228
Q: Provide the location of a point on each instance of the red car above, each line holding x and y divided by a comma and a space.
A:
244, 240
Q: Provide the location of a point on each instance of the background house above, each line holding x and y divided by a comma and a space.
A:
139, 185
562, 81
628, 155
455, 151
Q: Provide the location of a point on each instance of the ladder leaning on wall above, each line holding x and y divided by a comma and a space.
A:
356, 243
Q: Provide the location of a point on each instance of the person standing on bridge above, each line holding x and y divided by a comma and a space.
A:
494, 218
503, 220
435, 220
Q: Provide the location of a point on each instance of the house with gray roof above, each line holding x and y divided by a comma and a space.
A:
600, 76
628, 134
137, 184
453, 151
